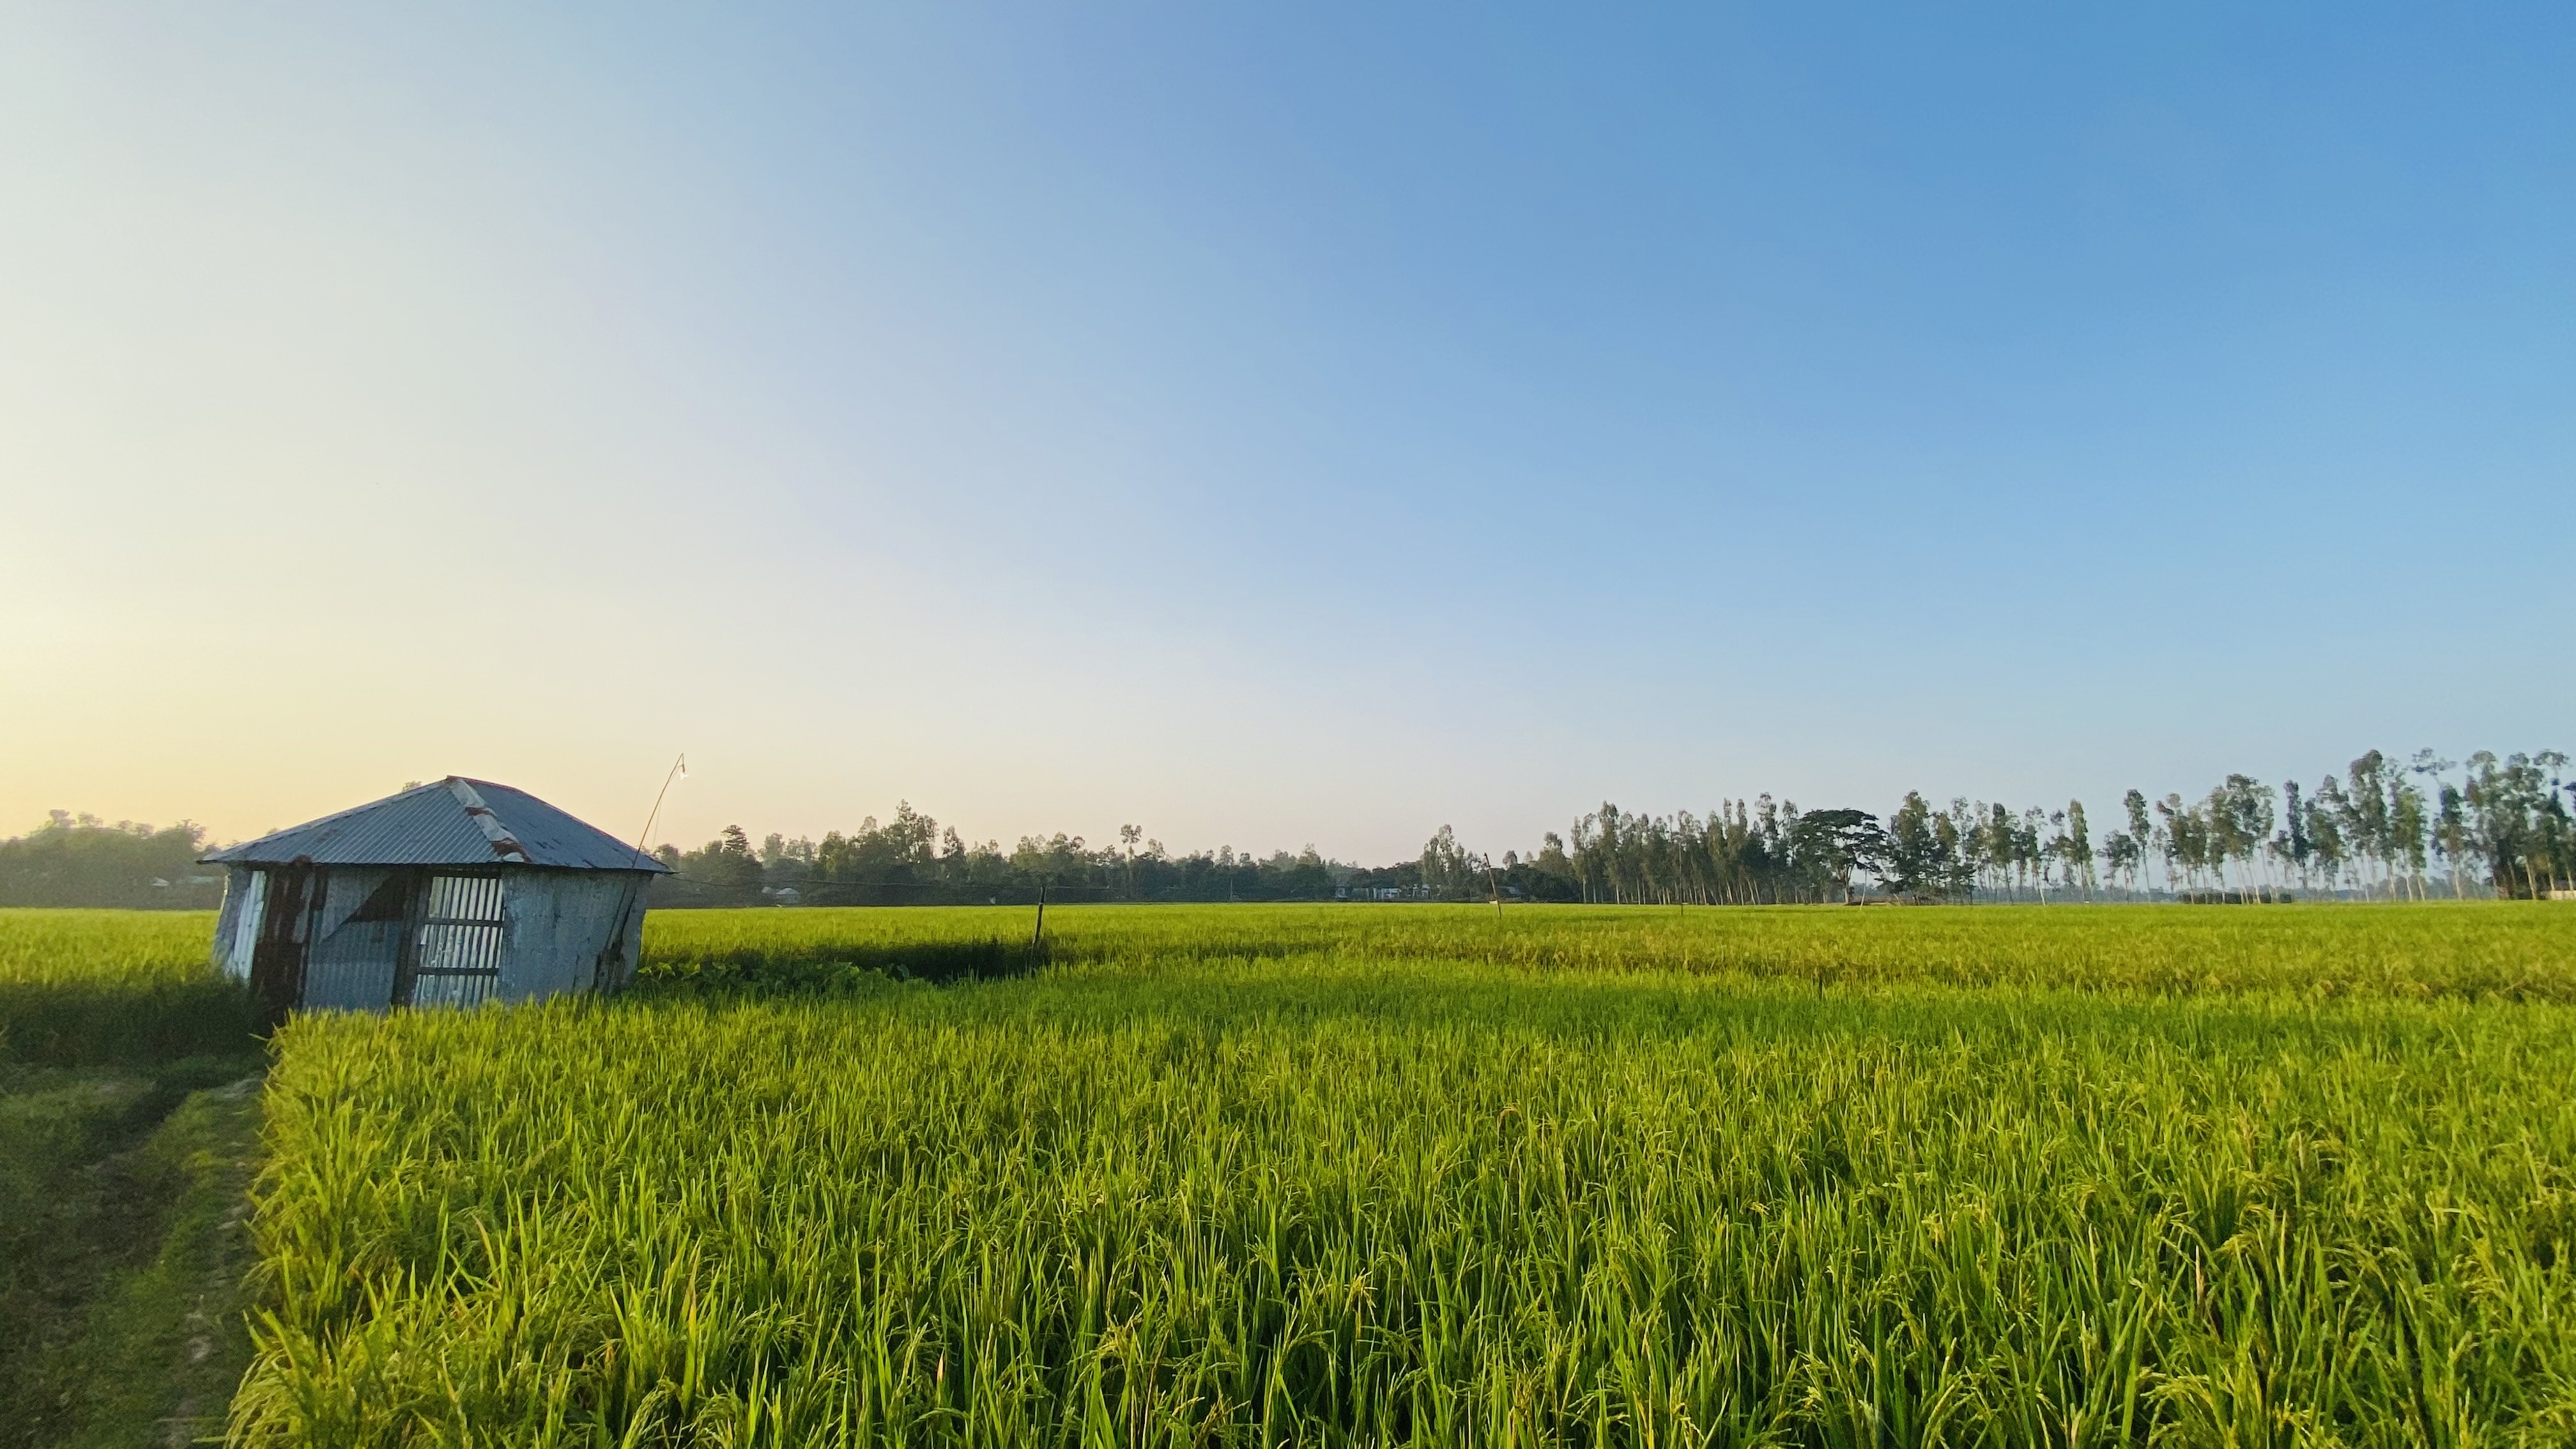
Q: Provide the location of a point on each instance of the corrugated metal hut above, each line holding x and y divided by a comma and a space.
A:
444, 895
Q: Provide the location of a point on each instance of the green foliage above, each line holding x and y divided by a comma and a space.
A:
2374, 832
82, 861
2517, 809
724, 863
910, 860
1335, 1176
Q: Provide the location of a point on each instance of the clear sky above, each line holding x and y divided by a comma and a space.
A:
1274, 424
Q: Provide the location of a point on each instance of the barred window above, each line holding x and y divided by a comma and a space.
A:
458, 962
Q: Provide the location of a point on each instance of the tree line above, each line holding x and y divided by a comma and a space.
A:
911, 859
2380, 829
81, 860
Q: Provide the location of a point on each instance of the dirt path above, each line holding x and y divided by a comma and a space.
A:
123, 1250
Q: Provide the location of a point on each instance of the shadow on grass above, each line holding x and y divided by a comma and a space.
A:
844, 968
104, 1024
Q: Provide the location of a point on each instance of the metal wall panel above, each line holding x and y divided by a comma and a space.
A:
353, 968
563, 923
237, 924
617, 958
351, 964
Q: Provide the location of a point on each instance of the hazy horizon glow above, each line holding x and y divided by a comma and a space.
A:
1273, 428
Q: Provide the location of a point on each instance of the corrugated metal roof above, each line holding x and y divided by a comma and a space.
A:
454, 822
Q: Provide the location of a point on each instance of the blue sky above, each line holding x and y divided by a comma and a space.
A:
1275, 426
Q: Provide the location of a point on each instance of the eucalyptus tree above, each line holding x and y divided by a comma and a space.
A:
1969, 820
1995, 843
2176, 840
2292, 846
2052, 851
2327, 814
2142, 833
2368, 826
2030, 857
1949, 849
2240, 823
2075, 847
1447, 867
2445, 834
2453, 838
2121, 852
1772, 819
2556, 830
1128, 838
2406, 829
2519, 823
1963, 824
2224, 841
1592, 854
1741, 852
2499, 798
2201, 850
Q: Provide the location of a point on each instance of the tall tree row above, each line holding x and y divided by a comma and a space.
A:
2379, 829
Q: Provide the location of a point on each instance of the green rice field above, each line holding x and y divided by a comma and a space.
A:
2293, 1175
2519, 951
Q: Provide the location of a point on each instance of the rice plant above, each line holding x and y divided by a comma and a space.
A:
2523, 951
1265, 1178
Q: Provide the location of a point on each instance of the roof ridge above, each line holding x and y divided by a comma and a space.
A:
504, 844
459, 821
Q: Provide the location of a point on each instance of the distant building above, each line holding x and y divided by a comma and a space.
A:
450, 894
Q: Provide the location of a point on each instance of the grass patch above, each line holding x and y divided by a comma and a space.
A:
129, 1123
123, 1251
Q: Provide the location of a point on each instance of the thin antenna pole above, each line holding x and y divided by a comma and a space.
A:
679, 767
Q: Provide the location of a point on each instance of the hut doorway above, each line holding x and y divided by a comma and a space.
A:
287, 907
